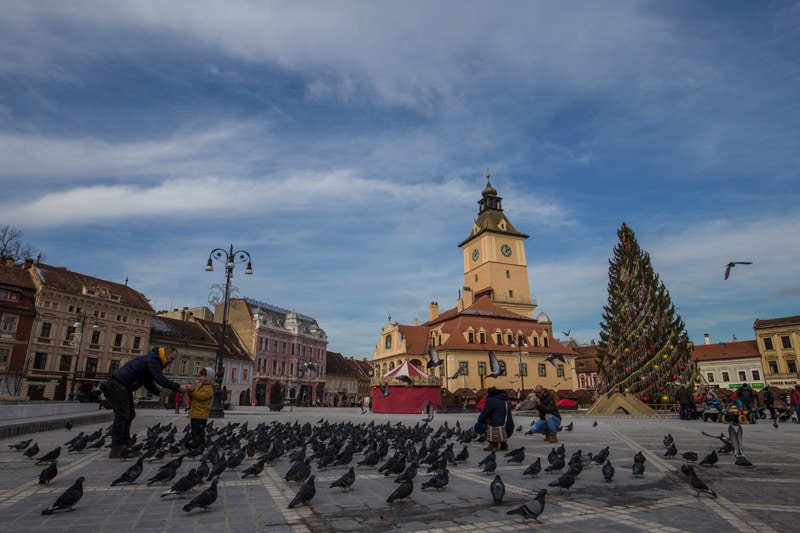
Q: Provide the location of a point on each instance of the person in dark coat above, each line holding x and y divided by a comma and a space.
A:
549, 417
146, 370
495, 412
685, 401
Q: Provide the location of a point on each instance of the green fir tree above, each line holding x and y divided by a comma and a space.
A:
644, 349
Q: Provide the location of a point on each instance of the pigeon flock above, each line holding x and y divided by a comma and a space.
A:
412, 458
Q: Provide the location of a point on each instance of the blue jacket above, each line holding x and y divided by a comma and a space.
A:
145, 370
495, 409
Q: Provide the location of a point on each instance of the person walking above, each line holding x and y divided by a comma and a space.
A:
794, 401
143, 371
200, 407
549, 417
178, 403
496, 412
685, 402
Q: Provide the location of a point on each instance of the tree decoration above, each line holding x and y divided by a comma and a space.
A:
641, 332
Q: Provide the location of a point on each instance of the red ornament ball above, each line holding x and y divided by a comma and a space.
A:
645, 399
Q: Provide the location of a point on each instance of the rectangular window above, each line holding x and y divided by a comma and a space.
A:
275, 346
482, 337
113, 365
786, 342
91, 367
773, 367
536, 342
40, 360
756, 375
5, 353
791, 364
283, 346
118, 340
502, 368
768, 343
244, 374
137, 342
542, 370
463, 368
481, 368
45, 331
283, 368
233, 375
510, 339
470, 337
742, 375
95, 337
274, 366
710, 377
8, 324
196, 371
184, 368
499, 338
523, 369
725, 376
65, 364
5, 295
560, 371
546, 342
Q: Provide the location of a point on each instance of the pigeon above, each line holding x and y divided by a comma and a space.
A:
79, 445
402, 492
639, 457
732, 264
594, 424
428, 412
490, 466
668, 440
21, 445
557, 465
638, 469
671, 452
304, 494
463, 455
435, 360
346, 481
68, 425
695, 482
494, 366
30, 452
203, 471
531, 508
490, 457
439, 480
608, 471
183, 485
534, 468
131, 474
498, 489
727, 443
385, 389
457, 373
553, 357
407, 379
48, 473
68, 499
689, 456
563, 482
566, 333
568, 427
96, 445
735, 433
710, 459
409, 473
517, 457
49, 457
164, 475
204, 499
254, 469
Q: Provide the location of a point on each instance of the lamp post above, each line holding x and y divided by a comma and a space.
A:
309, 367
229, 258
79, 323
520, 343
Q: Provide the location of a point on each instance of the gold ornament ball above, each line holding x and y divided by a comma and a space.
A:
665, 357
655, 367
665, 398
697, 379
627, 389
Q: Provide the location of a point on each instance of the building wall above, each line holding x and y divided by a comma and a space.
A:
779, 343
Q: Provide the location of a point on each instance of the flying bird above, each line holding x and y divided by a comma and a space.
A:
48, 473
305, 493
458, 373
553, 357
566, 333
732, 264
385, 389
532, 508
204, 499
494, 366
68, 499
434, 355
498, 489
409, 382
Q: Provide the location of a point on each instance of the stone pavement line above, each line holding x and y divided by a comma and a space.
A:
724, 508
13, 496
272, 482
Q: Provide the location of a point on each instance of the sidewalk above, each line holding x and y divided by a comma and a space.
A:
750, 498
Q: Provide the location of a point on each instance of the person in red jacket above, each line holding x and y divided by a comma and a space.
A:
794, 401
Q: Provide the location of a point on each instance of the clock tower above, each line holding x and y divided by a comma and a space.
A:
494, 257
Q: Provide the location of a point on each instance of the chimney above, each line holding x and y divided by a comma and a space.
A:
28, 262
184, 313
707, 338
416, 321
433, 311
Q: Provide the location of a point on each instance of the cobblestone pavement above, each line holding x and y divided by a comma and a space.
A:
762, 497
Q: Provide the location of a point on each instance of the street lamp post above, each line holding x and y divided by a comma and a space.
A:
79, 323
309, 367
520, 343
229, 258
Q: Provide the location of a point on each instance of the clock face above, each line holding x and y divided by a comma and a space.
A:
505, 250
475, 254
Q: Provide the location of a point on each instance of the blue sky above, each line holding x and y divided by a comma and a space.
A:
344, 145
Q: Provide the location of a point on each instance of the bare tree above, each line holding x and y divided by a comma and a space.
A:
12, 245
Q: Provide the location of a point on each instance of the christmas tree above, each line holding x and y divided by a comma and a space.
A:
643, 347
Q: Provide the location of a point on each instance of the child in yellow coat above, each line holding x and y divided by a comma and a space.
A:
200, 407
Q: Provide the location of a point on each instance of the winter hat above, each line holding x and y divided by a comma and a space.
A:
210, 374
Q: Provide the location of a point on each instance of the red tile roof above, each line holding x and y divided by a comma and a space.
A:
61, 279
726, 350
